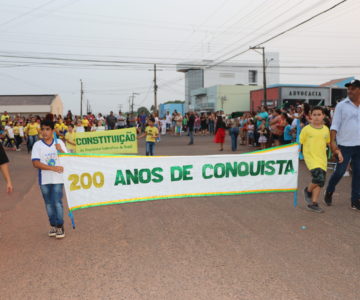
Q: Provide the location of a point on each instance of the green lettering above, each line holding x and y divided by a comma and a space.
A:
132, 178
289, 167
243, 168
186, 172
120, 179
231, 168
219, 170
270, 170
204, 167
281, 163
176, 173
145, 175
156, 173
258, 168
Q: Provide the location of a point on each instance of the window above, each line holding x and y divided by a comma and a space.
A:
253, 77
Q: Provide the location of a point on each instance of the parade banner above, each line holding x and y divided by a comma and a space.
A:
109, 141
96, 180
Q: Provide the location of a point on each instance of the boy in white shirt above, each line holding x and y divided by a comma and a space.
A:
45, 158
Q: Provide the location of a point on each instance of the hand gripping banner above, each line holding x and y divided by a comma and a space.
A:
101, 179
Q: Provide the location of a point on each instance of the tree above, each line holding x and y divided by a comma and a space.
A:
143, 109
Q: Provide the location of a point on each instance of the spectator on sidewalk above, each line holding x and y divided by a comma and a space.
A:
4, 168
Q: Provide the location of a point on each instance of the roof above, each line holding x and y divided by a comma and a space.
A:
338, 82
292, 85
26, 99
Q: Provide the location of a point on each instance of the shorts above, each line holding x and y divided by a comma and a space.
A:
318, 176
276, 137
262, 139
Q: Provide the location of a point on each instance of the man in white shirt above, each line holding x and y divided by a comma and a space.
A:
345, 143
45, 158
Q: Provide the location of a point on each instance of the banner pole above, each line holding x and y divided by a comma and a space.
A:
72, 219
300, 157
70, 213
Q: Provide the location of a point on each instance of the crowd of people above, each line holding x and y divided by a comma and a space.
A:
324, 131
262, 128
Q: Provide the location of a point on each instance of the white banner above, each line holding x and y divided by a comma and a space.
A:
95, 180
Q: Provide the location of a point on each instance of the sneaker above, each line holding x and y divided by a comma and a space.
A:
307, 196
52, 231
354, 207
60, 233
347, 174
315, 208
328, 198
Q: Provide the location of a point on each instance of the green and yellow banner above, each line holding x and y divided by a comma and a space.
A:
107, 142
95, 180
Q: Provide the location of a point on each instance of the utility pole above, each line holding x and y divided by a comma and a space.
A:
155, 90
155, 87
132, 97
81, 97
264, 71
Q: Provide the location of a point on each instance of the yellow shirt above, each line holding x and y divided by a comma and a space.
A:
151, 133
61, 127
32, 129
4, 119
314, 142
70, 137
16, 130
85, 122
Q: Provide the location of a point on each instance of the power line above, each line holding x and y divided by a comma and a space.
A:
302, 23
282, 33
26, 13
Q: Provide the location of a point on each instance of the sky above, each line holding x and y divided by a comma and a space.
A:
47, 46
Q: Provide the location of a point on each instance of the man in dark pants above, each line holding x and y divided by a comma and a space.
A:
4, 168
191, 124
345, 143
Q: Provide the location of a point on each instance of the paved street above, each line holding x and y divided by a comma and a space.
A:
234, 247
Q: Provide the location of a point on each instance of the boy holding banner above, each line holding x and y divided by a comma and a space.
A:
45, 158
314, 139
152, 133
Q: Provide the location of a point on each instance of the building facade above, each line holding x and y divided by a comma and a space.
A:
286, 95
202, 75
228, 98
26, 105
171, 107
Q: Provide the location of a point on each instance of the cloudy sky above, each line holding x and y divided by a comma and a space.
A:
48, 46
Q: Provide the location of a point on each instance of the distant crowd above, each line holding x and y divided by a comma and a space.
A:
262, 128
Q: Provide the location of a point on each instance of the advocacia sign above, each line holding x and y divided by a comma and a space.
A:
110, 141
92, 180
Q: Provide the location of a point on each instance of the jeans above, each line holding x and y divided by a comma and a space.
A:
52, 194
191, 135
211, 127
353, 154
150, 148
18, 141
234, 133
31, 141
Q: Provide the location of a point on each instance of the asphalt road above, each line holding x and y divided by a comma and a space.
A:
233, 247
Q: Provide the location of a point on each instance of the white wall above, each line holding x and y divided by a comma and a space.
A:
12, 109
